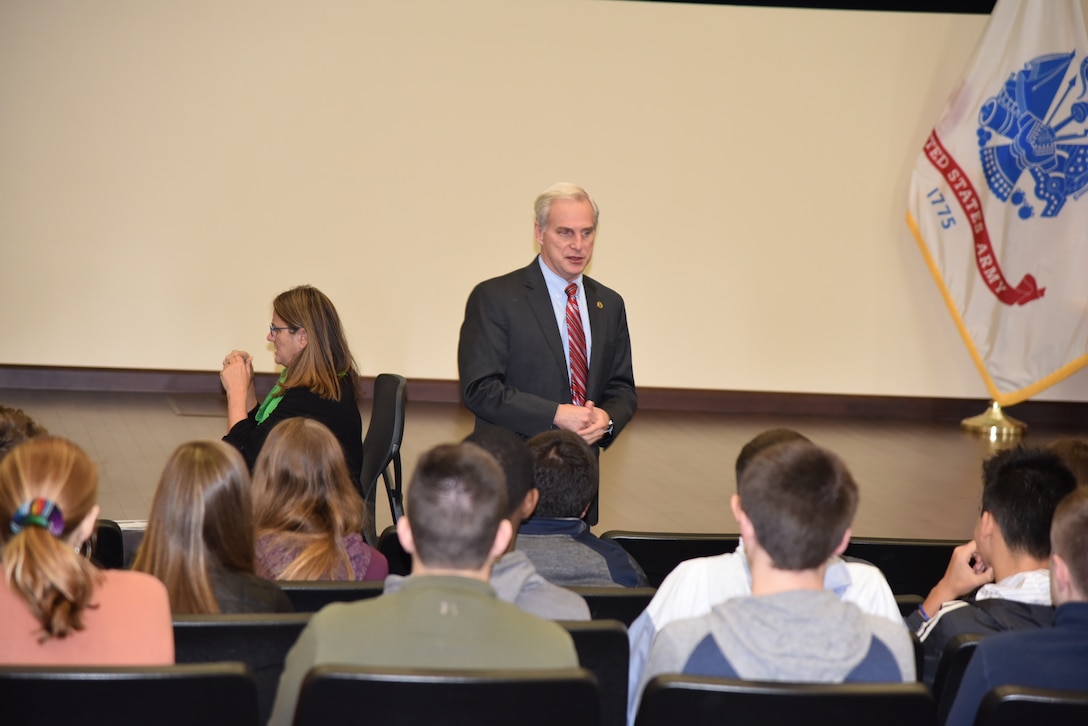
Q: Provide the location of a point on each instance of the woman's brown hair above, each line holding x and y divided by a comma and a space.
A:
303, 498
200, 522
44, 569
326, 356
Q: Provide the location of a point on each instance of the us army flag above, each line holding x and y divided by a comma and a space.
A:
996, 199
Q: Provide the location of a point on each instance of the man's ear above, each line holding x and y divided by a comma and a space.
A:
538, 234
528, 504
986, 526
502, 539
1061, 581
747, 531
734, 504
404, 534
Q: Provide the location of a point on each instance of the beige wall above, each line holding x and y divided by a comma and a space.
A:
167, 167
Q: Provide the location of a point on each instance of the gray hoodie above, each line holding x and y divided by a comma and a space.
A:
800, 635
516, 581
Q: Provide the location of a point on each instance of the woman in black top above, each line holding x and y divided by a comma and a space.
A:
318, 379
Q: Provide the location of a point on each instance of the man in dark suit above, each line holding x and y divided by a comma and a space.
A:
515, 352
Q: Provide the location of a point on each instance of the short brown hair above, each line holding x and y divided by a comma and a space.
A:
1069, 536
16, 427
801, 499
1074, 452
456, 500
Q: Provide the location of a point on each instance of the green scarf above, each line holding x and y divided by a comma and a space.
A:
271, 400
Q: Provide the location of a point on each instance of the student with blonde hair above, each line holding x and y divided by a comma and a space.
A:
55, 606
200, 536
309, 515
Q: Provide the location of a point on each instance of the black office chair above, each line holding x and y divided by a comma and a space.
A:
211, 694
603, 649
950, 669
381, 449
343, 695
696, 701
259, 640
1018, 705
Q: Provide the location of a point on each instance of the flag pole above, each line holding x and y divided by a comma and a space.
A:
995, 425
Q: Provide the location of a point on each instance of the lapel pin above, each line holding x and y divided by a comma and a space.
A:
600, 305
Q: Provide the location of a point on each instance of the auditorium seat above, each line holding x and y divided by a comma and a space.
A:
108, 545
616, 603
400, 562
259, 640
603, 649
658, 553
344, 695
950, 669
695, 701
911, 566
1019, 705
209, 694
309, 596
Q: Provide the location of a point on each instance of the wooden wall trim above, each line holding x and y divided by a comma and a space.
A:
905, 408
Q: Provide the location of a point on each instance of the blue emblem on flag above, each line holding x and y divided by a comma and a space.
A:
1030, 139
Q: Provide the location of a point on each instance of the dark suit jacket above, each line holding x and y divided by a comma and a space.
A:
511, 360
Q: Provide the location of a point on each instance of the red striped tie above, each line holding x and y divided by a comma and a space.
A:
576, 337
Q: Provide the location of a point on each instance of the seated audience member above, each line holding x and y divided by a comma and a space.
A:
309, 515
1048, 657
1006, 560
445, 615
56, 608
697, 585
16, 427
514, 578
794, 503
318, 381
199, 538
556, 539
1074, 452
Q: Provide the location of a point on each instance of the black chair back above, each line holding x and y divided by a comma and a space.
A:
1019, 705
212, 694
695, 701
603, 649
381, 448
260, 641
108, 545
400, 562
911, 566
342, 695
309, 596
658, 553
950, 669
616, 603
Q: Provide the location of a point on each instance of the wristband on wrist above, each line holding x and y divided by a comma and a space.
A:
923, 613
